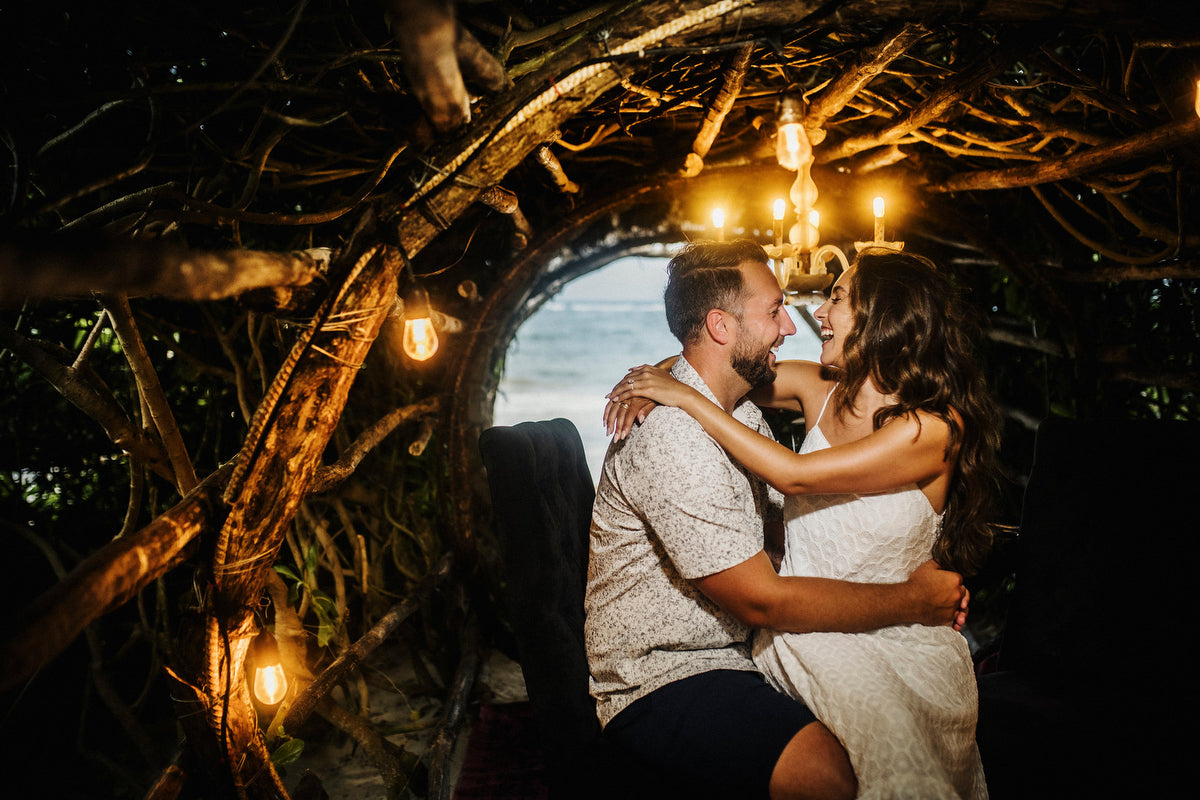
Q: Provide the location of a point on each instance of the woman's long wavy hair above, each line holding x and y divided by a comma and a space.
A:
913, 338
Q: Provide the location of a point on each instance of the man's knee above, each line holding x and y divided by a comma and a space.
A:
813, 765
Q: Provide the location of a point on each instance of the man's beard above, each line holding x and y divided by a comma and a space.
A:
754, 367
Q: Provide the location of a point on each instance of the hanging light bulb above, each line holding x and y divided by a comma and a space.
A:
792, 147
420, 339
270, 681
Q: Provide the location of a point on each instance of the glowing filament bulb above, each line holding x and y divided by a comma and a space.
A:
719, 223
780, 208
878, 208
420, 339
792, 147
270, 681
270, 684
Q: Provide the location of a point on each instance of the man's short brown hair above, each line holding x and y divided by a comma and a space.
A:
703, 276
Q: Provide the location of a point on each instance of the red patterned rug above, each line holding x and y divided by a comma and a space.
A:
503, 760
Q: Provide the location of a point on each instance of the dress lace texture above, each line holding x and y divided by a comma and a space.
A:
902, 700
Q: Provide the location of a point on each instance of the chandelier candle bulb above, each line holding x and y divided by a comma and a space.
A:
879, 219
719, 223
777, 222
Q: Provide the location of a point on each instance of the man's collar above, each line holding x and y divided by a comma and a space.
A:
684, 372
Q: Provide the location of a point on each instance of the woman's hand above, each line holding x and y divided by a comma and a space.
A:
632, 398
619, 417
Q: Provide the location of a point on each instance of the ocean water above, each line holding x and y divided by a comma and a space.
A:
575, 348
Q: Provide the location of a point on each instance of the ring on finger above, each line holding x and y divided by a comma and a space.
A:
624, 405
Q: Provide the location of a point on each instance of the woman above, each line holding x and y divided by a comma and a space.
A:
897, 464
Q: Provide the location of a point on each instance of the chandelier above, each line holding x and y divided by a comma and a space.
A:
800, 261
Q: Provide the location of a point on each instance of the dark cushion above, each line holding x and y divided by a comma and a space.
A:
542, 495
1106, 547
1092, 686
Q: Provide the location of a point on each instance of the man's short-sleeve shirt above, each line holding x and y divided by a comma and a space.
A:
671, 507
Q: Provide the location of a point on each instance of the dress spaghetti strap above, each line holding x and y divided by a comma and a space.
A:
823, 405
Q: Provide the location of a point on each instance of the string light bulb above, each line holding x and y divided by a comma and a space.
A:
270, 681
420, 339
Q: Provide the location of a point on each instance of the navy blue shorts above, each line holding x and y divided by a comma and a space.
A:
721, 731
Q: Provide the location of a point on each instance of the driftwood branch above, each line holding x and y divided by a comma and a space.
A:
1116, 362
107, 579
718, 109
80, 265
1122, 274
427, 33
151, 390
932, 107
478, 66
87, 392
1185, 381
442, 747
169, 785
1164, 137
872, 61
330, 476
307, 701
279, 459
546, 158
386, 757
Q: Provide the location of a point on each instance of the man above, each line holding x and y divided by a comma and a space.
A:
678, 575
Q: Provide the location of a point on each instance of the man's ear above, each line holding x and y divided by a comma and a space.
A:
718, 325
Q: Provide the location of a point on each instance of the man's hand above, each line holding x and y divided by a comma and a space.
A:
941, 596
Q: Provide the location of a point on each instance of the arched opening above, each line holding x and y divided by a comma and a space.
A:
566, 355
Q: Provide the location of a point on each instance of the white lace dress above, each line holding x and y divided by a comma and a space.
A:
902, 700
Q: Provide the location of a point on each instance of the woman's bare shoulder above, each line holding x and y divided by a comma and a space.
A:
928, 427
796, 385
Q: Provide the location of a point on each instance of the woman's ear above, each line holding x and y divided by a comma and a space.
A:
716, 322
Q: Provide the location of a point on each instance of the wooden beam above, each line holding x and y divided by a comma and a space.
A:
872, 61
276, 467
1164, 137
935, 105
107, 579
718, 109
71, 266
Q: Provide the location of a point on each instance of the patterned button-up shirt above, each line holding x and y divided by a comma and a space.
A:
671, 507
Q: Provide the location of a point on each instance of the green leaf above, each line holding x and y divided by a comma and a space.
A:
325, 632
287, 572
287, 752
